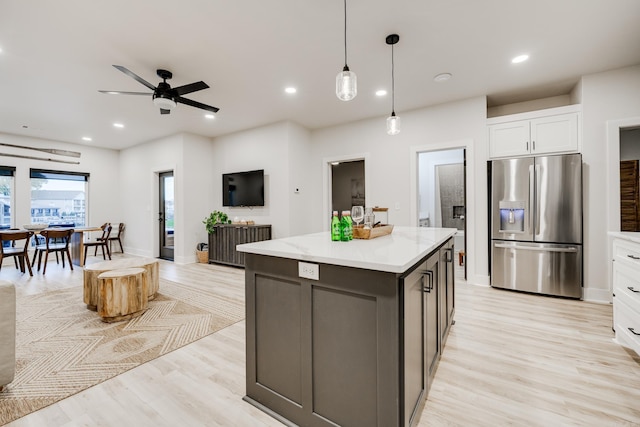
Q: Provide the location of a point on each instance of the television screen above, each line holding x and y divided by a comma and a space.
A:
243, 188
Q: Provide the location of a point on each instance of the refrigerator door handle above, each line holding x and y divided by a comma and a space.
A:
570, 249
538, 178
532, 189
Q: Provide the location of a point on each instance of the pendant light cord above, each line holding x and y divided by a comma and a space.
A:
393, 85
345, 35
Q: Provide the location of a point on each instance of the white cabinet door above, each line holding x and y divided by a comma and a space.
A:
509, 139
554, 134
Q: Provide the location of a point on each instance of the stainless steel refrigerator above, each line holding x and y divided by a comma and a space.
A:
536, 224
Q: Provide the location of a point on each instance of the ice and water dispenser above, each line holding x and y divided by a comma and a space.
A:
512, 216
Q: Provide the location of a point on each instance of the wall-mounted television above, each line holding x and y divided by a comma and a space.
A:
243, 188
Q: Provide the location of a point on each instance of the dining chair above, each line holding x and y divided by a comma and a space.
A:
117, 237
103, 236
20, 254
55, 240
102, 242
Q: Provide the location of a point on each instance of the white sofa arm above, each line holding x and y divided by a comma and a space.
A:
7, 332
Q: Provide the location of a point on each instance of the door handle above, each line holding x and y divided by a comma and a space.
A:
532, 199
633, 331
533, 248
429, 274
449, 254
632, 289
633, 257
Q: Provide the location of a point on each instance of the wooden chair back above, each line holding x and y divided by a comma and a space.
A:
56, 240
14, 237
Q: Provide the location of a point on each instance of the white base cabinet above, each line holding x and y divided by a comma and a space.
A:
626, 291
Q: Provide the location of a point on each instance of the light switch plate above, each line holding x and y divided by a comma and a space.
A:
309, 270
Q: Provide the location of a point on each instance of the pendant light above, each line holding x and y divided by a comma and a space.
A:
346, 82
393, 121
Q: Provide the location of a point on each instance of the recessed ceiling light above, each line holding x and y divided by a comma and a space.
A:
520, 58
113, 92
209, 116
86, 138
118, 125
335, 163
381, 92
291, 90
442, 77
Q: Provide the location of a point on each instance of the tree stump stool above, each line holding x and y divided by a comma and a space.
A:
122, 294
92, 271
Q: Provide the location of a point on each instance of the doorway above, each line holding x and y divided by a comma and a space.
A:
165, 215
442, 197
630, 179
347, 185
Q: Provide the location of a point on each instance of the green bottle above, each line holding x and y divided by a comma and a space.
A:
335, 227
345, 227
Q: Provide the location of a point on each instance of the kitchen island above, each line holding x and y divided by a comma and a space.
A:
347, 333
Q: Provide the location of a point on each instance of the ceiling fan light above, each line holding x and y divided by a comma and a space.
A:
393, 124
164, 103
346, 85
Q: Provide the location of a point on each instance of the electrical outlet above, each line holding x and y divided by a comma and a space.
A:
308, 270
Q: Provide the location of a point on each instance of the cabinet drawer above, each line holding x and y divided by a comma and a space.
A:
627, 252
626, 284
627, 325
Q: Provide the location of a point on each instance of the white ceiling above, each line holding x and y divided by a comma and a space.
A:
56, 55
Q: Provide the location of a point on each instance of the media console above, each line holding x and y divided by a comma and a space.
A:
222, 243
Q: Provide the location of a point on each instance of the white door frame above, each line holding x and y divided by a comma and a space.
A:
613, 168
470, 208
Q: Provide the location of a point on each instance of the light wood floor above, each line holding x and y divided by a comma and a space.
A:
511, 359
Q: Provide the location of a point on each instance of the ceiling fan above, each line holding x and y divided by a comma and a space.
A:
164, 96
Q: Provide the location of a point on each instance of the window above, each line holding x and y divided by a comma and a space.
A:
58, 198
6, 190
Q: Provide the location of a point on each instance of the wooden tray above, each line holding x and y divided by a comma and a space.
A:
359, 232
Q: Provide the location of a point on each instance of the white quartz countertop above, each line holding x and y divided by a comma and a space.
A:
394, 253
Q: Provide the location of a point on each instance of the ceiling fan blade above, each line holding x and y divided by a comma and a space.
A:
195, 104
135, 76
163, 111
183, 90
119, 92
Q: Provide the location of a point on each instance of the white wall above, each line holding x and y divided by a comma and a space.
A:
194, 194
608, 96
102, 165
281, 149
300, 190
139, 167
390, 161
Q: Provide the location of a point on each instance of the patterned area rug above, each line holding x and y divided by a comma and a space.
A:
62, 348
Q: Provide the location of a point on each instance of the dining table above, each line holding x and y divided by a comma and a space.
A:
76, 245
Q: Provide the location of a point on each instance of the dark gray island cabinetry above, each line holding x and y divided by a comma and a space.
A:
347, 333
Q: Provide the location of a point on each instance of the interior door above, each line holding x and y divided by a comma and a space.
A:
165, 215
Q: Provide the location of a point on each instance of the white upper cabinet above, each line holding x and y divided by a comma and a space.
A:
509, 139
543, 133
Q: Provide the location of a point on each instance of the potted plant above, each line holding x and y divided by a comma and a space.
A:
215, 217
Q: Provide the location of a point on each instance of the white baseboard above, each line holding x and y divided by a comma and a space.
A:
480, 279
597, 295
